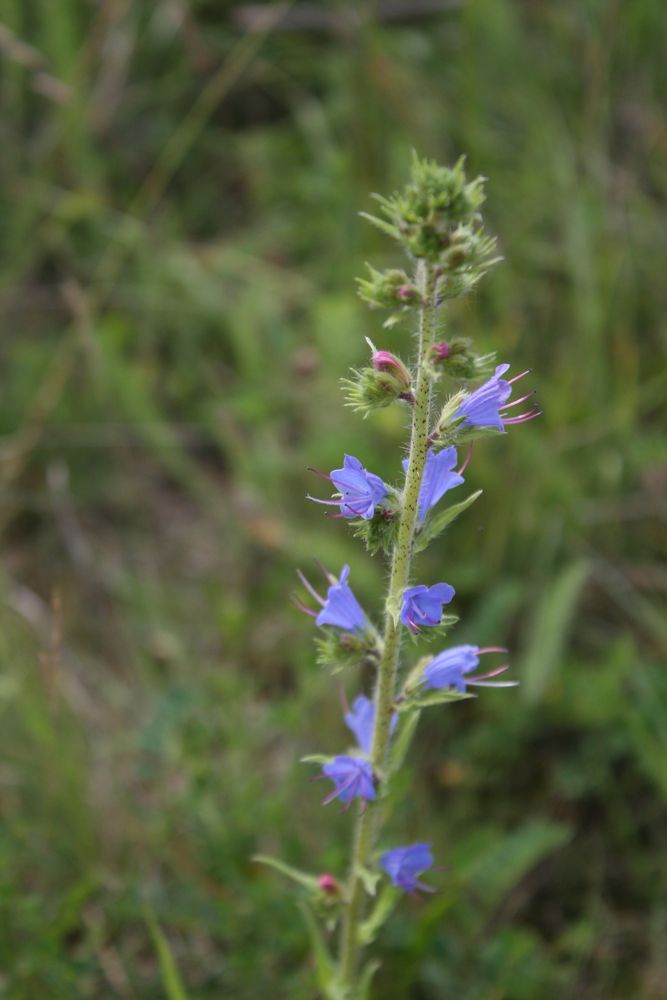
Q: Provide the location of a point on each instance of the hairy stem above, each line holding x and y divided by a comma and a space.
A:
385, 690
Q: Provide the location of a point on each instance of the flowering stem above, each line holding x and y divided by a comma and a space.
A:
385, 691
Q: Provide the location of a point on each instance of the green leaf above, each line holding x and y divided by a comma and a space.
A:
406, 730
370, 879
316, 758
309, 882
385, 227
171, 979
510, 858
325, 969
437, 523
394, 604
425, 700
549, 630
386, 902
365, 979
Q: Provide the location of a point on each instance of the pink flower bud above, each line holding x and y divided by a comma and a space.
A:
329, 884
441, 350
385, 361
407, 293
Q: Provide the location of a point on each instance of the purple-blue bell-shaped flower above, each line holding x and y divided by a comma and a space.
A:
404, 864
360, 720
484, 407
438, 478
340, 609
450, 668
422, 605
360, 491
352, 777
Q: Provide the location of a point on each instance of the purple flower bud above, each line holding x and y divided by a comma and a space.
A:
438, 478
422, 605
360, 490
361, 719
484, 407
404, 864
352, 777
449, 669
341, 608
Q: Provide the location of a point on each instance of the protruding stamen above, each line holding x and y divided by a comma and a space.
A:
517, 377
493, 684
492, 649
330, 578
332, 502
343, 787
466, 462
311, 590
516, 402
318, 472
523, 417
492, 673
300, 606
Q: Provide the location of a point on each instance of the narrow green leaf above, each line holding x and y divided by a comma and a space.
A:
437, 523
549, 631
370, 879
406, 730
394, 603
369, 970
325, 969
315, 758
171, 979
386, 902
385, 227
510, 858
309, 882
429, 698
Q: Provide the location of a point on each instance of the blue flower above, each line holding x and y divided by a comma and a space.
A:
449, 669
404, 864
437, 479
482, 408
361, 719
352, 777
360, 491
340, 609
422, 605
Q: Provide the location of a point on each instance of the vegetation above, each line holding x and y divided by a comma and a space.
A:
179, 243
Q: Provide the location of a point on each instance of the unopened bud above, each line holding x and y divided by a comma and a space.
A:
387, 381
388, 289
385, 361
408, 293
329, 885
441, 351
457, 359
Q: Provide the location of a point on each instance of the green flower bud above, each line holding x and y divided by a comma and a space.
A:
388, 289
457, 359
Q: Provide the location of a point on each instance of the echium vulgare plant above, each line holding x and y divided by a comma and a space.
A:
436, 219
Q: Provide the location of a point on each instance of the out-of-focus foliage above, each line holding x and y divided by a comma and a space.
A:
180, 238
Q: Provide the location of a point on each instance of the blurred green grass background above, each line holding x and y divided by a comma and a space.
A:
180, 234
